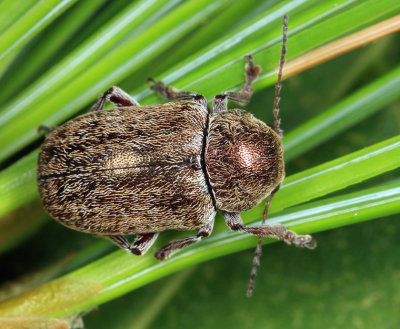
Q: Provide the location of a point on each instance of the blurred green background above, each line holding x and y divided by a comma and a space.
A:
350, 281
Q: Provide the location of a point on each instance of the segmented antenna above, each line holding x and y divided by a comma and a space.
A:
257, 254
278, 83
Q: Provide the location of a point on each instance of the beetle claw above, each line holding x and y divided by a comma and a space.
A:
161, 254
304, 241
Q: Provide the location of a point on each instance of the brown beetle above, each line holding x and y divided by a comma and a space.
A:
145, 169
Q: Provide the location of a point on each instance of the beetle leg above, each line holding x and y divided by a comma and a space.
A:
234, 221
118, 240
220, 103
116, 96
142, 242
244, 95
174, 246
172, 93
44, 128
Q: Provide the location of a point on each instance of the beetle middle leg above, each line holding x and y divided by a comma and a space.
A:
116, 96
234, 221
220, 102
175, 245
142, 242
172, 93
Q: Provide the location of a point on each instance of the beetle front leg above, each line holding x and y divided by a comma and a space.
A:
251, 73
172, 93
234, 221
175, 245
140, 246
220, 102
116, 96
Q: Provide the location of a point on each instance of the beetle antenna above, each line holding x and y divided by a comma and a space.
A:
278, 83
257, 254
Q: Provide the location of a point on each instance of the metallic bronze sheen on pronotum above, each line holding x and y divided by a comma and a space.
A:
244, 160
146, 169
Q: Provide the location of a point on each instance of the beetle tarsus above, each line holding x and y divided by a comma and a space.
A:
304, 241
251, 71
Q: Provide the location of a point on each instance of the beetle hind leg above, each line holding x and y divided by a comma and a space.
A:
142, 243
140, 246
175, 245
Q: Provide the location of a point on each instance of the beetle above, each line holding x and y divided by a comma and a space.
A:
143, 169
